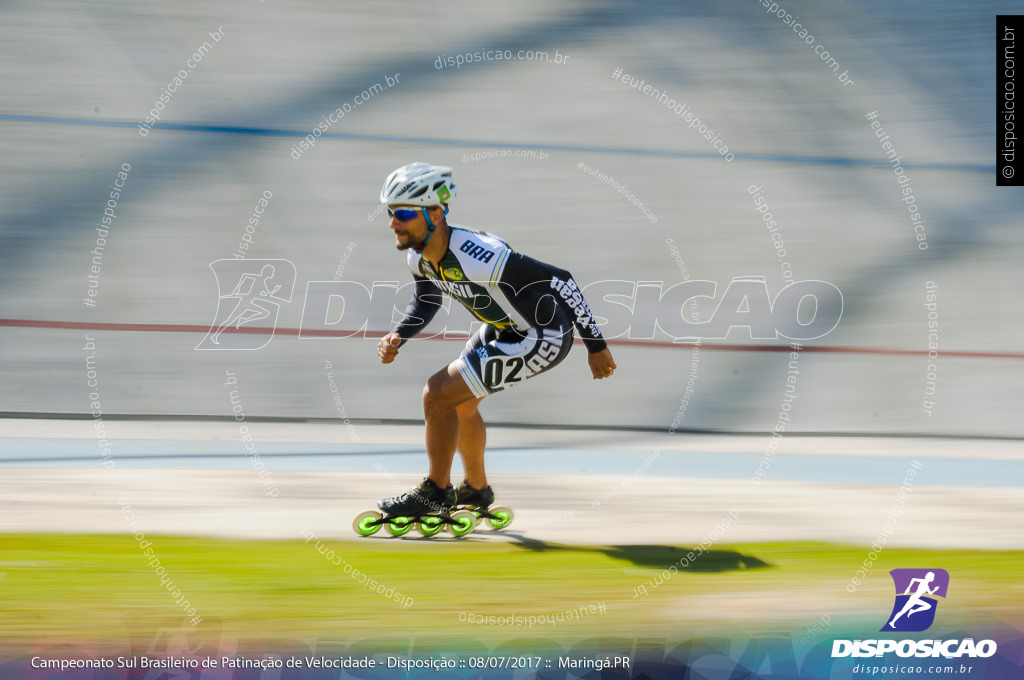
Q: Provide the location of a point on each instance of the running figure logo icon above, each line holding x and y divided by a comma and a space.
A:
251, 293
914, 611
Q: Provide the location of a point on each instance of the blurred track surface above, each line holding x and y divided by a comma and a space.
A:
565, 487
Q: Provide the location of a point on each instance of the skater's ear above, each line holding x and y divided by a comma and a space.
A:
436, 213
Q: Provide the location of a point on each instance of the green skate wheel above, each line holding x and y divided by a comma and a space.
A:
464, 522
400, 526
366, 524
429, 526
502, 517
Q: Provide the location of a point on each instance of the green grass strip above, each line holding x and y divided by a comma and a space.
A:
82, 588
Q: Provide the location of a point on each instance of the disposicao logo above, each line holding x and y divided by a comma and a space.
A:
914, 611
250, 291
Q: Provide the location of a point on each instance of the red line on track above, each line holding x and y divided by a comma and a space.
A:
182, 328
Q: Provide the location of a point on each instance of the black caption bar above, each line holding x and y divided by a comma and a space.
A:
1008, 165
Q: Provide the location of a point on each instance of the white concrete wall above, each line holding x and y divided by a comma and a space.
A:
85, 74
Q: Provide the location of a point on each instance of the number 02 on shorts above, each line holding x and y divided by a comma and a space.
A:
502, 372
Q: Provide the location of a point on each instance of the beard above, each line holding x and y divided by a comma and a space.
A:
410, 242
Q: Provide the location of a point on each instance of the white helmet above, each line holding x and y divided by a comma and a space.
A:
418, 184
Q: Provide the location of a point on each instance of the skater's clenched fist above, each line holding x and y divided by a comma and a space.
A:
601, 364
387, 348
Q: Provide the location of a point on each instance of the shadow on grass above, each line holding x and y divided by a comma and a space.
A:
662, 556
654, 556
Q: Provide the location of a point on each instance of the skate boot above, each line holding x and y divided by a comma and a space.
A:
424, 499
427, 507
478, 501
476, 498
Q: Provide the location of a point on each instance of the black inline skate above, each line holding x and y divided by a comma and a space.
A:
478, 501
428, 507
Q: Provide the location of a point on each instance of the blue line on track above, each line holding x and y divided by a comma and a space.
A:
340, 457
463, 143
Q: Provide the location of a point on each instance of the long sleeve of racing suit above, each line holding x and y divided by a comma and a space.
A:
532, 281
427, 298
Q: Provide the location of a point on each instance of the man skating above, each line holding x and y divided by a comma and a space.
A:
528, 309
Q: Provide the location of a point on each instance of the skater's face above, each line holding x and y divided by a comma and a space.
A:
411, 231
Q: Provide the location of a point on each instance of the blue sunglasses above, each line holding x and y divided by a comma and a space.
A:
406, 214
403, 214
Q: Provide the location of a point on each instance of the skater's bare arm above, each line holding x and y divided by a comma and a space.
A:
601, 364
387, 348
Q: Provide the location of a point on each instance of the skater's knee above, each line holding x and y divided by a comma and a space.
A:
429, 397
444, 392
435, 396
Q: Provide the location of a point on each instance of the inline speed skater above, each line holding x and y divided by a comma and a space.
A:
528, 308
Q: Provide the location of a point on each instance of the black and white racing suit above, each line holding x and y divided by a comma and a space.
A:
528, 308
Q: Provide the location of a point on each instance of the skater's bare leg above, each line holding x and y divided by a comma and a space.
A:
444, 391
472, 442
